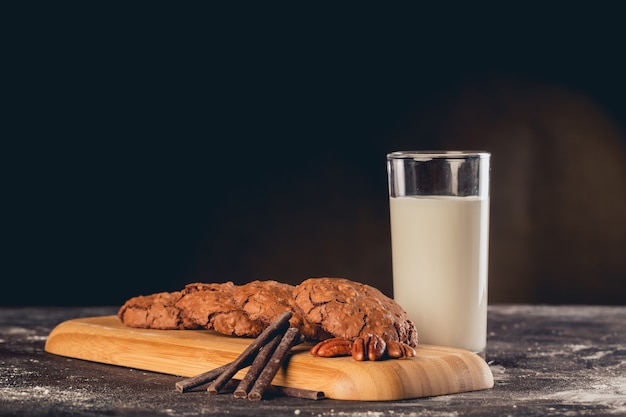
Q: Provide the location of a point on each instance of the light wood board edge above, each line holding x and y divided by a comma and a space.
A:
434, 371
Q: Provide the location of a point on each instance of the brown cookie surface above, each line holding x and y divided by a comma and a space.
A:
350, 309
214, 309
213, 286
264, 301
197, 306
154, 311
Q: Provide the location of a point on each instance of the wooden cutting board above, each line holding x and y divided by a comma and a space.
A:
436, 370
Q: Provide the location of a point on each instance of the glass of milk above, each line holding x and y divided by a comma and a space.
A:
439, 213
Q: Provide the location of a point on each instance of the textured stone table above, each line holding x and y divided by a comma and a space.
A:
546, 360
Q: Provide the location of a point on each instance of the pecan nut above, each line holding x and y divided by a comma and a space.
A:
332, 347
399, 350
370, 347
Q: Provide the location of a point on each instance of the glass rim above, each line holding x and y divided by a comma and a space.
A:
426, 155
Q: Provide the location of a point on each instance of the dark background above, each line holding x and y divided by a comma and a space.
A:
149, 146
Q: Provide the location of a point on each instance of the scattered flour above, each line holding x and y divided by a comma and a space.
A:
17, 331
50, 394
421, 412
576, 348
608, 392
37, 338
597, 355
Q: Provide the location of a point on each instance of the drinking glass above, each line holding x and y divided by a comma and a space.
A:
439, 215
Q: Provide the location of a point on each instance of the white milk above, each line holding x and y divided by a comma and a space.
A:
440, 254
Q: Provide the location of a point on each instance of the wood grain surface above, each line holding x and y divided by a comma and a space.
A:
436, 370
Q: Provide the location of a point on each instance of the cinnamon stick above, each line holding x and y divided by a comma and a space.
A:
243, 360
273, 365
257, 367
